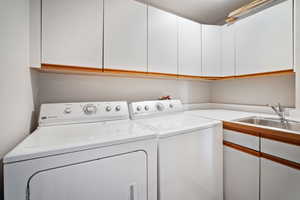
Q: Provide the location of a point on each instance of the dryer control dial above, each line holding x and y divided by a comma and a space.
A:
67, 110
118, 108
160, 107
139, 108
89, 109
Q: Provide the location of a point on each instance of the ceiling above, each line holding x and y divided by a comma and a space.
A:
203, 11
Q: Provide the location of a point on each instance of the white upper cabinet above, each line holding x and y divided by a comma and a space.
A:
125, 35
228, 50
72, 32
211, 50
264, 41
189, 47
163, 41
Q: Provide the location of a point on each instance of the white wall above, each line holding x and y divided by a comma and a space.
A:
255, 91
16, 100
68, 88
297, 51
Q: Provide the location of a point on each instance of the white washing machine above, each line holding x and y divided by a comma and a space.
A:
89, 151
190, 150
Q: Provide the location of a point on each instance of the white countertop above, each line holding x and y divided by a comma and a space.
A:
234, 116
218, 114
173, 124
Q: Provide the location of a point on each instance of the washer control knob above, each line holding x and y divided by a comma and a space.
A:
171, 106
146, 107
67, 110
108, 108
89, 109
160, 107
139, 108
118, 108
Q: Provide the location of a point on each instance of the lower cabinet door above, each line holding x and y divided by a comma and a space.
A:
113, 178
241, 175
279, 182
190, 166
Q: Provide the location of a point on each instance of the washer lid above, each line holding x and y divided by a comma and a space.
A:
52, 140
179, 123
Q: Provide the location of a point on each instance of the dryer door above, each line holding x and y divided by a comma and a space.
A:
122, 177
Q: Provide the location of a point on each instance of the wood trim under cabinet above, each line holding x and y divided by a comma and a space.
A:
281, 161
69, 68
130, 72
66, 69
241, 148
262, 74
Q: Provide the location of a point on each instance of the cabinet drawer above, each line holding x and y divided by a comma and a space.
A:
280, 149
242, 139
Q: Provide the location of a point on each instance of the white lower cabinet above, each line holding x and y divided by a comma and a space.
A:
241, 175
279, 182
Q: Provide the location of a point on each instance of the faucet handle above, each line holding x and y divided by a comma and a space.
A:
275, 108
281, 108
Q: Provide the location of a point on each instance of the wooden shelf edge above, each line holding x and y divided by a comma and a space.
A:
64, 69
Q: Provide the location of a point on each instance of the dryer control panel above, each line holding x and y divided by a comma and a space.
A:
149, 108
70, 113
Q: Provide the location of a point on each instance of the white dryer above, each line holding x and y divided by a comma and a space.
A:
89, 151
190, 150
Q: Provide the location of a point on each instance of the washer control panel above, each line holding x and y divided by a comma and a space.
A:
68, 113
149, 108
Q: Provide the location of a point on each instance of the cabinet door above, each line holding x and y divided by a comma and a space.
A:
125, 35
264, 41
211, 50
279, 182
228, 50
113, 178
241, 175
189, 47
162, 41
72, 32
190, 166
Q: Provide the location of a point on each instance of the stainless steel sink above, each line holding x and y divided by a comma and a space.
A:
273, 122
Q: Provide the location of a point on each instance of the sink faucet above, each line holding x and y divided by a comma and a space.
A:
280, 111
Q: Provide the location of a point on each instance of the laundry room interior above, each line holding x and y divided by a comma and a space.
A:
150, 99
